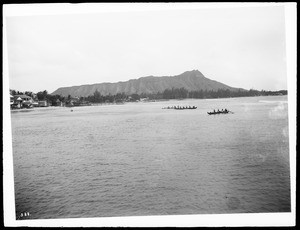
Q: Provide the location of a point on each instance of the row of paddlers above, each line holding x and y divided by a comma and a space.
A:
180, 107
225, 111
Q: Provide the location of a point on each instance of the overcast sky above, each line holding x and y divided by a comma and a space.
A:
241, 47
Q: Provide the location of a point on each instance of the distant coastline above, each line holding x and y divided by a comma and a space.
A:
98, 100
188, 85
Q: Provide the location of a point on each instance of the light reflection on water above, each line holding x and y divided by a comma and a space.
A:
138, 159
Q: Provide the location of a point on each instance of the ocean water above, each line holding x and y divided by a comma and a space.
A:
139, 159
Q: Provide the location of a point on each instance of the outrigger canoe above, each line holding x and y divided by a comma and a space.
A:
180, 108
220, 112
187, 108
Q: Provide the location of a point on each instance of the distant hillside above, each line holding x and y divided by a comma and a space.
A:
190, 80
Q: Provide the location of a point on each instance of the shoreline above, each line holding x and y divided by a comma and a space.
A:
135, 102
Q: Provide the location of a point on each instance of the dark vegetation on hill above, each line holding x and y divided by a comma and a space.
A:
190, 80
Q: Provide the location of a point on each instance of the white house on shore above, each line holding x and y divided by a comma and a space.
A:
20, 101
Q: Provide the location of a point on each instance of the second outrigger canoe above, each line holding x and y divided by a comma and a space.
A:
219, 112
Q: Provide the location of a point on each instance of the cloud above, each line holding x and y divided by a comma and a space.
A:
241, 47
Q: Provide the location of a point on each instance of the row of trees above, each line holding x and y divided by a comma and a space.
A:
181, 93
97, 97
220, 93
16, 92
174, 93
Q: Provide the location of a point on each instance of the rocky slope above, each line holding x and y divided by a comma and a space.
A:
190, 80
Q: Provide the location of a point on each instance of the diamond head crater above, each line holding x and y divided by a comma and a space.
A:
190, 84
190, 80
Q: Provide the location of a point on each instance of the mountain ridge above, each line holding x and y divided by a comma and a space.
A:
190, 80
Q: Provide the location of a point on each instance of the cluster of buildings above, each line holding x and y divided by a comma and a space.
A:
24, 101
